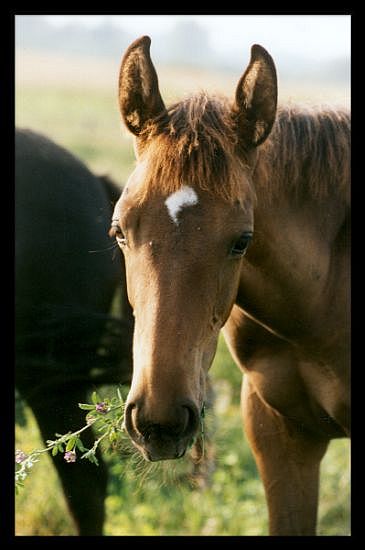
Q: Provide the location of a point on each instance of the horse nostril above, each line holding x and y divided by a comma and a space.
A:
130, 412
180, 454
192, 418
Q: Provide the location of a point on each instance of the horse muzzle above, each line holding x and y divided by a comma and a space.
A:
162, 440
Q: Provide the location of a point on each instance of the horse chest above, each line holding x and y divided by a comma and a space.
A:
303, 391
329, 389
290, 380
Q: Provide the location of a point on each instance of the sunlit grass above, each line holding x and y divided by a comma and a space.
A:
334, 516
40, 508
89, 127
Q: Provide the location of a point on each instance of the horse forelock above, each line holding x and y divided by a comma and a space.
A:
195, 145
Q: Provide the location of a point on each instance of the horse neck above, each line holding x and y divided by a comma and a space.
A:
303, 168
288, 267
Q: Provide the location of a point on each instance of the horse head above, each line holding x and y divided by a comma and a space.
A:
184, 222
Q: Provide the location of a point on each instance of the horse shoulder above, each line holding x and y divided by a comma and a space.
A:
305, 390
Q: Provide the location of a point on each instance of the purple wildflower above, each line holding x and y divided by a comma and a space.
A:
70, 456
102, 407
20, 456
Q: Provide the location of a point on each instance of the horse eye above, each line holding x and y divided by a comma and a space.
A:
240, 246
116, 231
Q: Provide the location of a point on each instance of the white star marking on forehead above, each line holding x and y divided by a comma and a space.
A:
186, 196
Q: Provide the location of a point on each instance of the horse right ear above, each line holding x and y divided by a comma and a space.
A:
256, 99
139, 95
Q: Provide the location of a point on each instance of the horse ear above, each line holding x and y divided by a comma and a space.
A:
139, 95
256, 99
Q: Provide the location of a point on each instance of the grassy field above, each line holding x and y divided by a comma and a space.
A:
74, 102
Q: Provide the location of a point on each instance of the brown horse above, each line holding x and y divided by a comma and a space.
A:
211, 177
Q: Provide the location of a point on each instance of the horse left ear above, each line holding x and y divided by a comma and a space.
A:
256, 99
139, 95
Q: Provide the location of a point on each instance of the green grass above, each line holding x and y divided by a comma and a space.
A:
85, 119
90, 128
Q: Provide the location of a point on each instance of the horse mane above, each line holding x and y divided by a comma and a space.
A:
307, 154
196, 145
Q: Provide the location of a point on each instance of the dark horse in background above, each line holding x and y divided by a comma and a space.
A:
67, 275
238, 216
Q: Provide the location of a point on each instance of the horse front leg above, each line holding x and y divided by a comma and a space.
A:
288, 460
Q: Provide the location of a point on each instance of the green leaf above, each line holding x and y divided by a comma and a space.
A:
71, 444
60, 447
54, 451
93, 459
80, 445
113, 436
90, 455
120, 397
95, 398
86, 407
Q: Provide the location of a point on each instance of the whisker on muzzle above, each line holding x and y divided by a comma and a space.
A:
115, 245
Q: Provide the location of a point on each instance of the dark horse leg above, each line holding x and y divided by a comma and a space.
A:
84, 484
66, 279
288, 460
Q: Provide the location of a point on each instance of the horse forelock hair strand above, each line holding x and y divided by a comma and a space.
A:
196, 145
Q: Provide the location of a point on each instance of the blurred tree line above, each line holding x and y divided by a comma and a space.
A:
186, 44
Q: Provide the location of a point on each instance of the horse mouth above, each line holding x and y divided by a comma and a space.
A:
156, 457
154, 451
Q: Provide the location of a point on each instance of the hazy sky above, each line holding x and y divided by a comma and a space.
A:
321, 36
